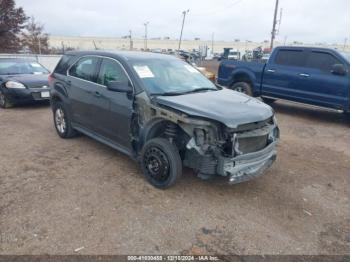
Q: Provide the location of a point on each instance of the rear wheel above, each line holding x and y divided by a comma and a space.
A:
243, 87
161, 163
4, 102
62, 121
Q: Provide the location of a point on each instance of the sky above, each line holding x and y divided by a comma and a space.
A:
308, 21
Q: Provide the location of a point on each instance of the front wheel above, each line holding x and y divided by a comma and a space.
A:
243, 87
4, 102
161, 163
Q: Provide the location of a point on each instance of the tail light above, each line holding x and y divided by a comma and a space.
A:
51, 79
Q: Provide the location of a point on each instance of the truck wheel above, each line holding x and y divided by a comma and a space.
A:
4, 103
62, 121
243, 87
161, 163
268, 100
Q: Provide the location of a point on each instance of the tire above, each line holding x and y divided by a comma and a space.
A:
62, 121
268, 101
4, 102
161, 163
243, 87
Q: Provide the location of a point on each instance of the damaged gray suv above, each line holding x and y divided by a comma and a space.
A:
163, 113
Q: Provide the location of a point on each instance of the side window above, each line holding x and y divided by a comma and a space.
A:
322, 61
63, 64
85, 68
110, 71
290, 58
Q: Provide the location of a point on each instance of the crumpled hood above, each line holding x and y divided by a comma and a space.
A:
30, 81
226, 106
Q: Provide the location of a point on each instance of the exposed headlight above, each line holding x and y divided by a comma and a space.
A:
199, 136
14, 84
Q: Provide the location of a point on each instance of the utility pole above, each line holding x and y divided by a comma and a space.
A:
273, 32
345, 42
131, 43
184, 13
285, 40
212, 43
146, 25
63, 49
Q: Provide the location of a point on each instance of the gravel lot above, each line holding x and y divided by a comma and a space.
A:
58, 196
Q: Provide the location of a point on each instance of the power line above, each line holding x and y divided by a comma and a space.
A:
146, 31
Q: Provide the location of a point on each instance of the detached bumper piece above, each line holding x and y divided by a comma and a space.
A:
246, 167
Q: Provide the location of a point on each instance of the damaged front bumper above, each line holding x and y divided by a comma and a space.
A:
246, 167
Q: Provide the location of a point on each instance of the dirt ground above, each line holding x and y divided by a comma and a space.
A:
58, 196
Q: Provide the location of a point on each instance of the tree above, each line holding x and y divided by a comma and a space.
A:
12, 21
34, 38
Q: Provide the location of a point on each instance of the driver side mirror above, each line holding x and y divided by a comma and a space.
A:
339, 69
120, 86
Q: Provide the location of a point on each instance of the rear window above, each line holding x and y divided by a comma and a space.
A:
290, 58
322, 61
64, 64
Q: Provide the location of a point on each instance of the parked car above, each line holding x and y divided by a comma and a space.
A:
234, 55
248, 55
22, 81
265, 58
187, 58
164, 113
230, 54
316, 76
208, 74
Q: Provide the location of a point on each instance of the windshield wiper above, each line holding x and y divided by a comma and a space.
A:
168, 94
184, 92
200, 89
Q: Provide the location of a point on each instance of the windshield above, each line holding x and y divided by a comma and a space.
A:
163, 77
13, 67
346, 56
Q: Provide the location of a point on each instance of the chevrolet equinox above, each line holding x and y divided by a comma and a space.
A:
163, 113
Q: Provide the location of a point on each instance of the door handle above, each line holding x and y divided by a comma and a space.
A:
304, 75
69, 83
271, 70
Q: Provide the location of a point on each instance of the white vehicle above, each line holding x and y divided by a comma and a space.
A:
266, 57
234, 55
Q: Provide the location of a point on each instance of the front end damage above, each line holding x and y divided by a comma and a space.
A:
239, 154
209, 147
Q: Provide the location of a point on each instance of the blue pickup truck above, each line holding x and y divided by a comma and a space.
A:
316, 76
